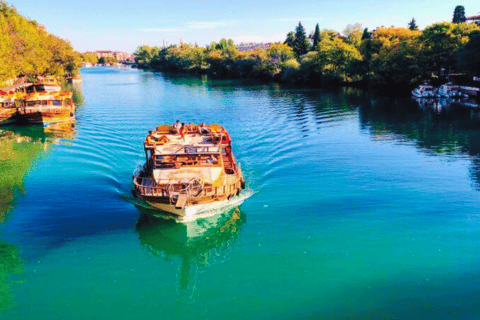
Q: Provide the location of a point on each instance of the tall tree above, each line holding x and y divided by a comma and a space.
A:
316, 38
412, 25
468, 58
366, 34
301, 43
290, 39
459, 15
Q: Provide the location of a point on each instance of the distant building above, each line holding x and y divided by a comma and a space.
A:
120, 56
252, 46
476, 19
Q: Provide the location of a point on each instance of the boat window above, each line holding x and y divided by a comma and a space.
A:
57, 102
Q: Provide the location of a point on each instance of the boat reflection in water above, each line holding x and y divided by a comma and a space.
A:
198, 243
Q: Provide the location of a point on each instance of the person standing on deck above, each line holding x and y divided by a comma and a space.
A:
177, 126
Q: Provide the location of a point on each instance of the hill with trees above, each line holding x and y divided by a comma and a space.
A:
27, 49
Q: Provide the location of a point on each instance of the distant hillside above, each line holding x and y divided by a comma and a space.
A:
27, 49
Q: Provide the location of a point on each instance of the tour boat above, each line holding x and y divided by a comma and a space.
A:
424, 91
47, 85
7, 109
189, 170
45, 108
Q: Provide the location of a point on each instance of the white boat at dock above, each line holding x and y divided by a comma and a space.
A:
424, 91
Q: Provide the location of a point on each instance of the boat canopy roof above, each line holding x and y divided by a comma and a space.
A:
210, 175
36, 96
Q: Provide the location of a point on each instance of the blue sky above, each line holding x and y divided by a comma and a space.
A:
125, 25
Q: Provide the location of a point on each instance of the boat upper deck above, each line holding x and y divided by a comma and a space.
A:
195, 140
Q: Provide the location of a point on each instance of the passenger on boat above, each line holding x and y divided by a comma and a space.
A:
182, 131
177, 126
203, 129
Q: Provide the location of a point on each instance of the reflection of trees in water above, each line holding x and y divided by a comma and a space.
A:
10, 263
198, 243
19, 148
435, 128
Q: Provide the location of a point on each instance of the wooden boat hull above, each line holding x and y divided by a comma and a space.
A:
191, 211
42, 115
7, 115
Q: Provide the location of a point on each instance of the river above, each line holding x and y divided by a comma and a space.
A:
362, 207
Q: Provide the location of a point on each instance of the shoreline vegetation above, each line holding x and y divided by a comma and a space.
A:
389, 57
28, 50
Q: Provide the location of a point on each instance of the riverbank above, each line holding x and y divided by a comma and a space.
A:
386, 58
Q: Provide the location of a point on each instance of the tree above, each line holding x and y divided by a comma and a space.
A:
334, 59
468, 58
316, 38
412, 25
459, 15
442, 40
396, 56
353, 33
290, 39
280, 53
145, 54
366, 34
301, 44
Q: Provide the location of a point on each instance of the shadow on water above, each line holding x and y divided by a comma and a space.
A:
437, 128
20, 147
198, 244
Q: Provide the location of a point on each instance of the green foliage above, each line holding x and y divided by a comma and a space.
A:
107, 60
300, 43
89, 57
396, 56
144, 54
280, 52
468, 57
328, 34
388, 56
290, 41
412, 25
459, 15
27, 49
316, 37
366, 34
442, 40
334, 59
353, 34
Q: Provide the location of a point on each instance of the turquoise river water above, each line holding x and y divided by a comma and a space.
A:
363, 207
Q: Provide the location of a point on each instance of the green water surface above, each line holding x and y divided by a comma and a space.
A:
363, 207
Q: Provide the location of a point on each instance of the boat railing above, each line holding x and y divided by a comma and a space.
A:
41, 108
193, 189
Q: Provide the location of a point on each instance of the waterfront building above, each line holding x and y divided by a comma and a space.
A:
475, 19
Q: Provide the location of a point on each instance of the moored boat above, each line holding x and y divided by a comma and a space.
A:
7, 109
45, 108
47, 85
424, 91
189, 170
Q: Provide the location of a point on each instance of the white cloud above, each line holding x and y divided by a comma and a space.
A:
206, 24
158, 30
278, 37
